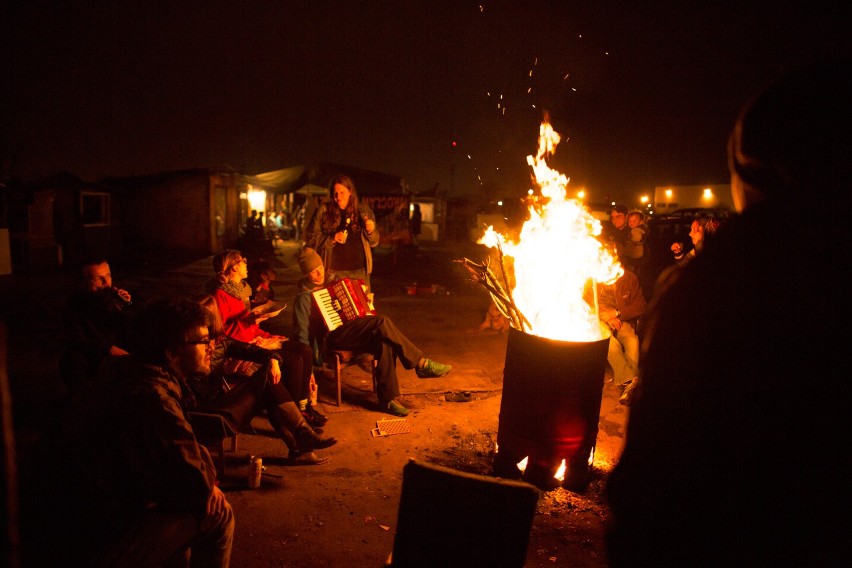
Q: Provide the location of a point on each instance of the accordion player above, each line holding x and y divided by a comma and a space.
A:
343, 301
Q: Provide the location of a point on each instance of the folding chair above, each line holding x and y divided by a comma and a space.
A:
210, 430
339, 358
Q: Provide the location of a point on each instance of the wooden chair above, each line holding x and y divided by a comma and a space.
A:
211, 431
451, 518
338, 359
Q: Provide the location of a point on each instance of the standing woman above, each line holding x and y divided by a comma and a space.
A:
344, 233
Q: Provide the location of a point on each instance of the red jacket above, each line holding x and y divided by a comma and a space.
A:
236, 319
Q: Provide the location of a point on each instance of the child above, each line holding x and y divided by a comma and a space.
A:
634, 248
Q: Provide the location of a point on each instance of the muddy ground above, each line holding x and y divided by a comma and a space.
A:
344, 513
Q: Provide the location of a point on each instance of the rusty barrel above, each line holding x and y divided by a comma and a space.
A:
549, 411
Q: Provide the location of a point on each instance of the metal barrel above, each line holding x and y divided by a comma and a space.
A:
549, 411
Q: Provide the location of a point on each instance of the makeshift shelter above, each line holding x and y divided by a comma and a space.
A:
196, 211
387, 195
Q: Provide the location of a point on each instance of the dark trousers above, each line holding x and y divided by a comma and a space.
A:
379, 336
296, 368
246, 399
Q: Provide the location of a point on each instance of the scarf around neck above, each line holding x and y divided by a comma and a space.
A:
239, 290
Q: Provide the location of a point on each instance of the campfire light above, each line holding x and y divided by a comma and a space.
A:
556, 352
556, 260
560, 473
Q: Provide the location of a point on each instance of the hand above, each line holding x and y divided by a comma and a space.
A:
614, 324
607, 315
369, 225
340, 237
215, 505
274, 371
123, 294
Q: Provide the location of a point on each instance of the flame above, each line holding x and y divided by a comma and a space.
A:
560, 473
557, 259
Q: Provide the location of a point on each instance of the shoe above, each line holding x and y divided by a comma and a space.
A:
308, 440
314, 417
306, 458
396, 409
432, 369
627, 395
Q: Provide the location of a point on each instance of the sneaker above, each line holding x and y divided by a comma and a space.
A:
314, 417
432, 369
396, 409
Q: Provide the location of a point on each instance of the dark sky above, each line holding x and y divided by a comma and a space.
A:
643, 92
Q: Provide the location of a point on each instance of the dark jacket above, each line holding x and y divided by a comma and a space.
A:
127, 448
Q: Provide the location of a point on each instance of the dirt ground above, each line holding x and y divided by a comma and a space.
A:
344, 513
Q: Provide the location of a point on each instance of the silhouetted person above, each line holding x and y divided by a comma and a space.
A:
736, 443
124, 482
94, 320
415, 224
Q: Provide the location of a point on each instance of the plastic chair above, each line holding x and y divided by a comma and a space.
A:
451, 518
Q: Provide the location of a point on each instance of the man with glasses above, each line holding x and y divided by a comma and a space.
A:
136, 488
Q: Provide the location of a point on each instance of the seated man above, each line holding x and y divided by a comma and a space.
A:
377, 335
94, 321
124, 481
621, 306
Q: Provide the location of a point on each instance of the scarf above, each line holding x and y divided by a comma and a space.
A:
239, 290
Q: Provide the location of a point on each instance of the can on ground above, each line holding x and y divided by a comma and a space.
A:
255, 471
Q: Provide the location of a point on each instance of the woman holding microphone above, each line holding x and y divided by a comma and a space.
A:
344, 233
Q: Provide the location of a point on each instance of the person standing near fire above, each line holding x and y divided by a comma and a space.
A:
616, 232
621, 305
344, 232
734, 452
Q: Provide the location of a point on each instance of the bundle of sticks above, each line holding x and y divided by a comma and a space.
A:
497, 287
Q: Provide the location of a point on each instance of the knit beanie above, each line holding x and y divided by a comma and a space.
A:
309, 260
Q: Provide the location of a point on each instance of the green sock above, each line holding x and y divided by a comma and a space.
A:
303, 404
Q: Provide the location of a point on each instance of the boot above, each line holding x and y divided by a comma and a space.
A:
306, 437
299, 438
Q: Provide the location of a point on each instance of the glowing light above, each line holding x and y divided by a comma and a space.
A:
668, 193
560, 472
522, 465
256, 199
643, 199
707, 193
557, 259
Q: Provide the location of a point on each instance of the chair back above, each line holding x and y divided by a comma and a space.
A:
451, 518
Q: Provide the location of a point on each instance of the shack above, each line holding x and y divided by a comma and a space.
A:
192, 212
305, 186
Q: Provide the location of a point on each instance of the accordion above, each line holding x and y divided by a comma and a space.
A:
343, 301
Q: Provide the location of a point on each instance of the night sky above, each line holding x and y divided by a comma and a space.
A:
644, 93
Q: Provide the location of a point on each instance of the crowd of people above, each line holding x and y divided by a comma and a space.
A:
139, 370
733, 453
